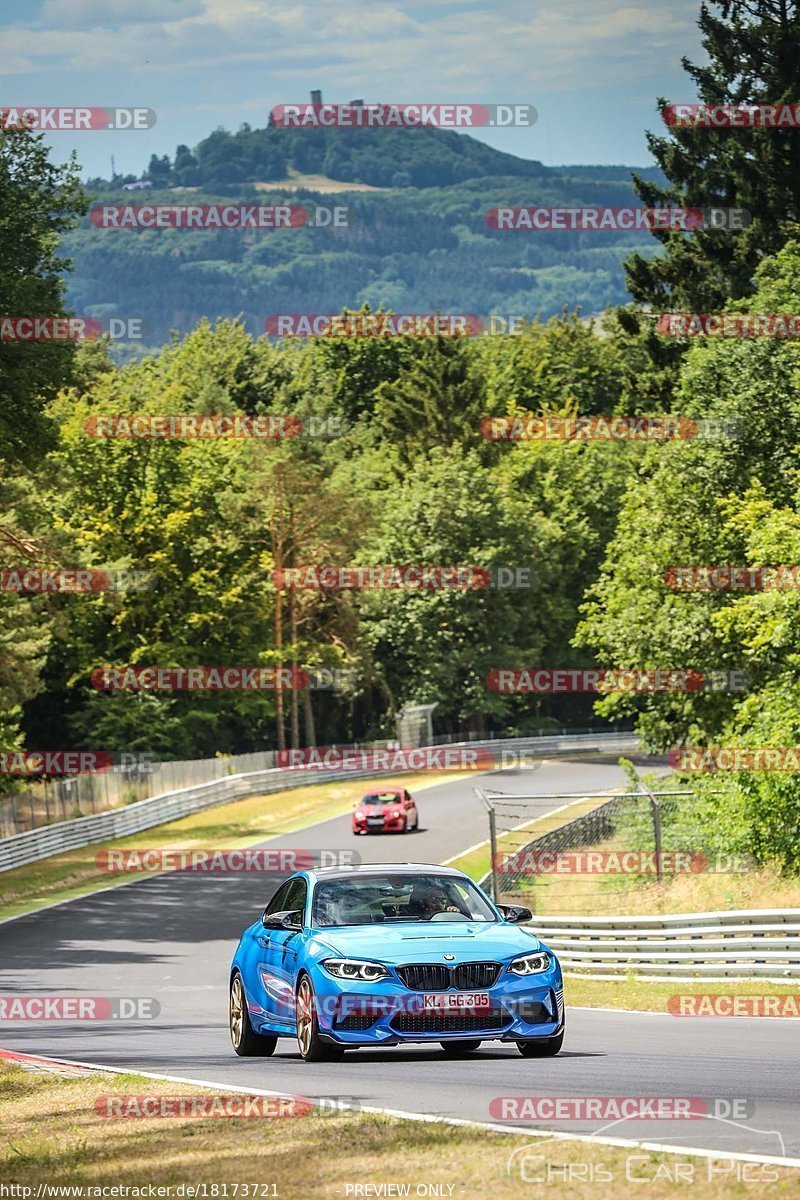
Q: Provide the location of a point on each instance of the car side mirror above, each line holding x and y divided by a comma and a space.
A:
290, 919
516, 913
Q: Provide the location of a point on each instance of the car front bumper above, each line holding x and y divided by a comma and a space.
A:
387, 1013
388, 825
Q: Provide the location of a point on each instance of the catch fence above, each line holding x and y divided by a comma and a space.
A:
587, 851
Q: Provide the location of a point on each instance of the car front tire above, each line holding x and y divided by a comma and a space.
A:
246, 1042
541, 1047
312, 1048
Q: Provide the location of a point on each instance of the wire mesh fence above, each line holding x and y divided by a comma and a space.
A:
587, 853
84, 795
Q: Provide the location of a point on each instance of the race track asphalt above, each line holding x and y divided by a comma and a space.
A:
171, 937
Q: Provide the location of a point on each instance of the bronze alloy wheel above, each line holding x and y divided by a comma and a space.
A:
305, 1016
246, 1042
312, 1046
236, 1011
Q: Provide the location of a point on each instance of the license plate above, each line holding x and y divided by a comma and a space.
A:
374, 820
455, 1001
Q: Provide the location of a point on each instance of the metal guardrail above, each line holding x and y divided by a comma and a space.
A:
37, 844
744, 944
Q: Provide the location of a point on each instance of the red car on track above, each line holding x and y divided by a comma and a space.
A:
385, 810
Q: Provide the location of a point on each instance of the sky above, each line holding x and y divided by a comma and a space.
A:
591, 68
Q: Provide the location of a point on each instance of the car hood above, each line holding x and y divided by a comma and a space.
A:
476, 941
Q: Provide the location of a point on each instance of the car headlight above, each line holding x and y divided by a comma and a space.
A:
353, 968
397, 813
359, 816
530, 964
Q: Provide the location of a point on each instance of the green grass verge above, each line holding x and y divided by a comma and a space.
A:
630, 992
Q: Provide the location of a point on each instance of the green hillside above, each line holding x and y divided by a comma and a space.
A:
419, 244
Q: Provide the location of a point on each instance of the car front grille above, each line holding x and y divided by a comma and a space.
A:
476, 975
426, 977
435, 977
450, 1022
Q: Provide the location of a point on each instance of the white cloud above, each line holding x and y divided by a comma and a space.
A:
383, 50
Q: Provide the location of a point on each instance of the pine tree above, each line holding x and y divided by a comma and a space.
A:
753, 48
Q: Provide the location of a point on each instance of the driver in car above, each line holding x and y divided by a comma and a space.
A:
427, 899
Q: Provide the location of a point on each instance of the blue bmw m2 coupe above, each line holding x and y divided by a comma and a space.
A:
388, 954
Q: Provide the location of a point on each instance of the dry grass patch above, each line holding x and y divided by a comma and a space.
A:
627, 895
50, 1133
313, 183
476, 862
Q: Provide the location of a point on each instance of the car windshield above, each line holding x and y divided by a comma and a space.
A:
381, 798
389, 899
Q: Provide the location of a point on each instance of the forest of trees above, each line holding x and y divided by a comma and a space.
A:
412, 480
387, 158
